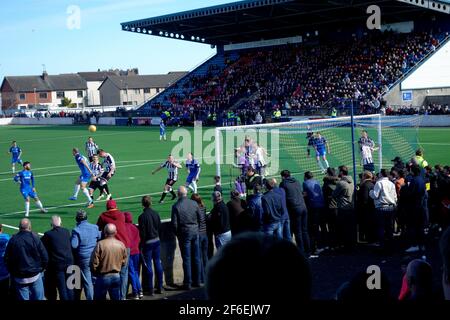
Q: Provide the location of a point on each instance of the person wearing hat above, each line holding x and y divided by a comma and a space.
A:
116, 217
398, 164
83, 241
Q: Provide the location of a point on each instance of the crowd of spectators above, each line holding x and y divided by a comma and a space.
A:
397, 210
294, 77
430, 109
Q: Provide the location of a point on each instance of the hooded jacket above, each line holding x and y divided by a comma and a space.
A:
343, 194
329, 185
133, 234
294, 195
117, 218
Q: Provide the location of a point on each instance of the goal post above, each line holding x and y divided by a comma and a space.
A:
287, 146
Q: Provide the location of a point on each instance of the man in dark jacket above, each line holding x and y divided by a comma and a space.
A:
26, 259
272, 210
220, 221
298, 215
284, 221
149, 225
329, 185
346, 221
185, 221
117, 218
366, 208
411, 197
254, 208
57, 243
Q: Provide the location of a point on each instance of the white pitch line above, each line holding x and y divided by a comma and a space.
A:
69, 137
77, 171
74, 165
84, 203
16, 228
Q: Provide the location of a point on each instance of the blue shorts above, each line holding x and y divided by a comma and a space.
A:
28, 193
192, 177
16, 160
321, 152
85, 178
162, 132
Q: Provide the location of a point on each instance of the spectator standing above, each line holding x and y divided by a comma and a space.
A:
251, 180
239, 219
134, 258
411, 197
26, 259
4, 274
284, 221
116, 217
149, 230
57, 241
346, 222
298, 214
185, 222
329, 185
83, 241
419, 277
108, 259
385, 200
272, 211
220, 221
202, 236
316, 215
255, 210
366, 209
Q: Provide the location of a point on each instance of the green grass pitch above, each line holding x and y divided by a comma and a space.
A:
137, 151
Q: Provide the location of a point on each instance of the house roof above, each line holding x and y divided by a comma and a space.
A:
146, 81
70, 81
96, 75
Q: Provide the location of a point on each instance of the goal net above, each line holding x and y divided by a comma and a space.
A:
294, 145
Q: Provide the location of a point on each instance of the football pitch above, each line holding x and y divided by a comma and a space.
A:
137, 151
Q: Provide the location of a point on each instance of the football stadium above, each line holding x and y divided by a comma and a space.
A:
310, 151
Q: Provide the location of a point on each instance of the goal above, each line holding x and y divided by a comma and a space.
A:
286, 143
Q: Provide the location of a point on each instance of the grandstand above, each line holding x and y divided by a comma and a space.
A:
301, 56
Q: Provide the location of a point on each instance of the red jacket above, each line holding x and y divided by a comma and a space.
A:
133, 234
117, 218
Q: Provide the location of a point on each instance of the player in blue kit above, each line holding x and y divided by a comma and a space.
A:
16, 153
85, 177
26, 180
193, 167
321, 147
162, 130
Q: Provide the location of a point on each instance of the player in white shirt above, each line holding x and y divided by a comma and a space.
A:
367, 146
260, 160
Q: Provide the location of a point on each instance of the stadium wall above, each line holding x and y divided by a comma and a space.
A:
36, 121
418, 96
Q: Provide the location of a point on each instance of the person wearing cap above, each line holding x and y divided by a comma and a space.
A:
83, 241
116, 217
107, 261
58, 245
398, 164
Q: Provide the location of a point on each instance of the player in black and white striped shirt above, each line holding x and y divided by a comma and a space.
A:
172, 167
109, 165
91, 148
97, 171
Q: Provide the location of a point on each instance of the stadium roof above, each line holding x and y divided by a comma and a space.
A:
253, 20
